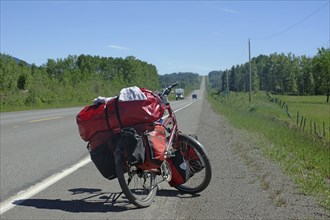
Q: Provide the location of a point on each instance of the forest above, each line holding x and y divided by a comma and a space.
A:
185, 80
278, 74
77, 80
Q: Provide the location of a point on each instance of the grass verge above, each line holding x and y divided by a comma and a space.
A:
305, 159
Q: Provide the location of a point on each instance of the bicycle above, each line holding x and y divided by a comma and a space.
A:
140, 186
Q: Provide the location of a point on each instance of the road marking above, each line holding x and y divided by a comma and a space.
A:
46, 119
186, 106
33, 190
28, 193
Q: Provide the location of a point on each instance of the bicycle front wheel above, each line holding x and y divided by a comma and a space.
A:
199, 164
139, 186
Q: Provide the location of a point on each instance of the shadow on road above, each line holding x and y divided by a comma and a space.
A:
95, 201
175, 193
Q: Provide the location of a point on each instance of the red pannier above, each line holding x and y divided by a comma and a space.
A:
116, 114
155, 148
180, 168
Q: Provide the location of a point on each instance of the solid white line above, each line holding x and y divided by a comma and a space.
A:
186, 106
28, 193
33, 190
46, 119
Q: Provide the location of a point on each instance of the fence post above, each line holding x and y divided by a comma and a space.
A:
315, 131
301, 121
297, 117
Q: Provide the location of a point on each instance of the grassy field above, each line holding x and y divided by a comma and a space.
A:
301, 156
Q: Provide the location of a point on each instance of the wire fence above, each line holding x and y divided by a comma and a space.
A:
303, 124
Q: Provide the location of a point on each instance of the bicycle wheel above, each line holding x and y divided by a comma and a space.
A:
198, 162
139, 186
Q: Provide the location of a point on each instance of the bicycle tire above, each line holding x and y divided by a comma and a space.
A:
202, 178
139, 186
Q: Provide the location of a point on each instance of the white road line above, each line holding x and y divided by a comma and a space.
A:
28, 193
180, 109
45, 119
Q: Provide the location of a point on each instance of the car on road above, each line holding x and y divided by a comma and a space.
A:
194, 96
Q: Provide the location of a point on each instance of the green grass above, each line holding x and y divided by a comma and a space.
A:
305, 158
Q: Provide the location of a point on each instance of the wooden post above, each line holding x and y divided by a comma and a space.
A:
301, 122
315, 131
297, 117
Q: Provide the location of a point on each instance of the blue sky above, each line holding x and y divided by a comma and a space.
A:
175, 36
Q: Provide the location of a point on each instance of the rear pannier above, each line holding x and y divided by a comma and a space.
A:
132, 146
101, 149
134, 106
155, 146
127, 121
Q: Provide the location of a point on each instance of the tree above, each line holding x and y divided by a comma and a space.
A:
321, 68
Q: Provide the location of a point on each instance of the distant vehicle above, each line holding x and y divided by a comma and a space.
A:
179, 94
194, 96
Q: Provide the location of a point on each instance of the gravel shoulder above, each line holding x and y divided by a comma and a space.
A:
245, 184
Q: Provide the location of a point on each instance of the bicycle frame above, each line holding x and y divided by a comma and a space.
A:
171, 126
140, 184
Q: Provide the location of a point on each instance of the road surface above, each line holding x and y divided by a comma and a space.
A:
46, 173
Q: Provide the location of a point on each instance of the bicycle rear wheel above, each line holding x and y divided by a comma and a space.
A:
199, 164
139, 186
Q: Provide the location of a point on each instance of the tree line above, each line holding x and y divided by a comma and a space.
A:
72, 80
185, 80
77, 80
278, 74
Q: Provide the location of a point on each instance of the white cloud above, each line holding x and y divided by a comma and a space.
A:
227, 10
118, 47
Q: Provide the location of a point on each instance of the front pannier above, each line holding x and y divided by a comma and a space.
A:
180, 169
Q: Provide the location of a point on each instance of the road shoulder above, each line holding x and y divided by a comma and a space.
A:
245, 184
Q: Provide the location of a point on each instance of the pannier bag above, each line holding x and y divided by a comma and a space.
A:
101, 149
155, 146
181, 171
132, 146
133, 106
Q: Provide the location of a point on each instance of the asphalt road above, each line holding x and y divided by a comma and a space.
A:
46, 172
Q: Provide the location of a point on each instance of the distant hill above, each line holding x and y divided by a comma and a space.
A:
19, 61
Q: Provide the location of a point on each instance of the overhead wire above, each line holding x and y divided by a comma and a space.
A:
292, 26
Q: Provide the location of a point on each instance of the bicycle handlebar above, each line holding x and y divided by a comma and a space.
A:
167, 90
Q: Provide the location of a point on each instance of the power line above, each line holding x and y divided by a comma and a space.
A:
294, 25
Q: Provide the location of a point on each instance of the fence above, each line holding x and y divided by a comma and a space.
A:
301, 122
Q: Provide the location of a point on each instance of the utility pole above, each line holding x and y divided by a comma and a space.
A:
227, 84
250, 71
